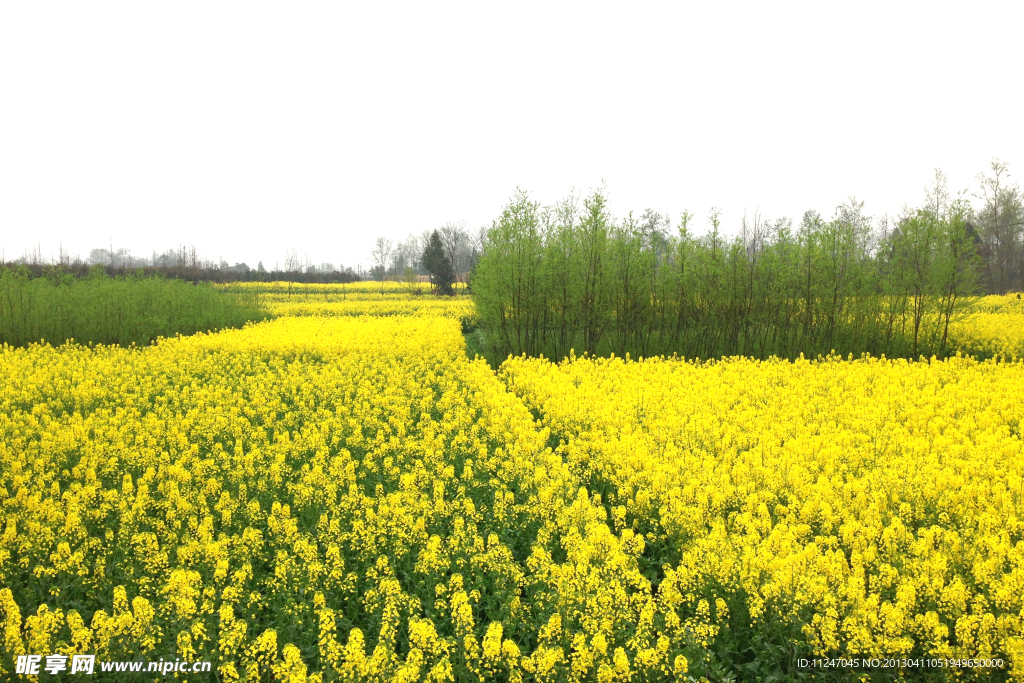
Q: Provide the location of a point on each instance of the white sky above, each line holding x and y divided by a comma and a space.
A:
252, 128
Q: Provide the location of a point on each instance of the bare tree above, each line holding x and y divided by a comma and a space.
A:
456, 243
937, 194
480, 239
753, 233
478, 242
291, 261
408, 254
1001, 218
381, 256
424, 241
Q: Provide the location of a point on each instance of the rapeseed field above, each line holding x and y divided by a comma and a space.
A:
347, 496
866, 508
995, 327
374, 299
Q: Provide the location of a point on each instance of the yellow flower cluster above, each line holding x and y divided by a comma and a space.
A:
325, 337
360, 299
863, 507
458, 308
1000, 303
313, 499
995, 327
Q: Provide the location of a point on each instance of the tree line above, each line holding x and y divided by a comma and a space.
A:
552, 279
181, 263
56, 306
432, 253
1000, 228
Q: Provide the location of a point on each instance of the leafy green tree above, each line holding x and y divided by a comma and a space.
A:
438, 265
957, 267
563, 277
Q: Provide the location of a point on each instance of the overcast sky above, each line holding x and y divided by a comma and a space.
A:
252, 128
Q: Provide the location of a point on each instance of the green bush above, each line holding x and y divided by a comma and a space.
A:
96, 308
556, 279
